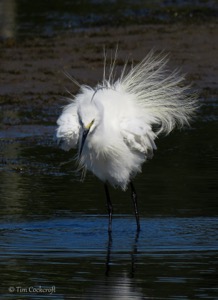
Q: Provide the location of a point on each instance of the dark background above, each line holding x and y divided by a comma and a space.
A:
53, 227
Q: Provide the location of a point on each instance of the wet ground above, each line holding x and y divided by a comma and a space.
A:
53, 227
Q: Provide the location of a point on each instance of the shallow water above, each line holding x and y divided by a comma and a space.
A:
54, 228
170, 259
47, 18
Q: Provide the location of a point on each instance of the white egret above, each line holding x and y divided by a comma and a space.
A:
114, 125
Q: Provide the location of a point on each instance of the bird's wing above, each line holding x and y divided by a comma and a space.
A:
138, 135
67, 133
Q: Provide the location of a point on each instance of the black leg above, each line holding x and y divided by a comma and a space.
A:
109, 207
134, 199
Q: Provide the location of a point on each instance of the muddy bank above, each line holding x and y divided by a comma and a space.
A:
32, 77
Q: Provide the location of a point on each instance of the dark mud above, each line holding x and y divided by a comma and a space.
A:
34, 85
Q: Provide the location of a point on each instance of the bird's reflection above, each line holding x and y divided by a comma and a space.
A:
108, 258
133, 254
119, 285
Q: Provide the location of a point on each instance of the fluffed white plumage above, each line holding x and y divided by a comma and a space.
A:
113, 124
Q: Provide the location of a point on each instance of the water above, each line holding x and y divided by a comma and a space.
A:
53, 228
169, 259
23, 18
